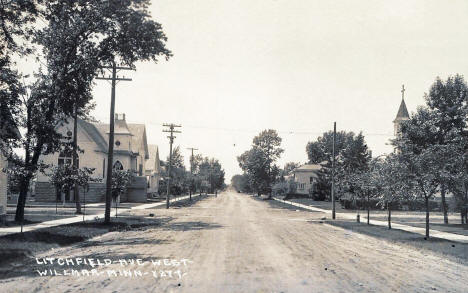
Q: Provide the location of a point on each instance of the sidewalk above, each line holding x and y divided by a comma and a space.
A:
408, 228
79, 218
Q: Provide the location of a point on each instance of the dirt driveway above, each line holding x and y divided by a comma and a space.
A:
236, 243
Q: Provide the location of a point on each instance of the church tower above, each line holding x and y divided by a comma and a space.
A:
402, 114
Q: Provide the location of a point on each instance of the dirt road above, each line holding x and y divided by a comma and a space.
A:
236, 243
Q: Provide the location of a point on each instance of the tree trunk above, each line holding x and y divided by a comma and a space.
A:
76, 191
24, 187
426, 199
368, 210
389, 216
444, 203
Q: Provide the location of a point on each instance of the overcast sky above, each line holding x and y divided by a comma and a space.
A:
292, 65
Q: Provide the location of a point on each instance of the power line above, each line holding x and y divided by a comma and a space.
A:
292, 132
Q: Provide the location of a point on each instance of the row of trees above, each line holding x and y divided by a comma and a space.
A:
70, 40
430, 157
205, 174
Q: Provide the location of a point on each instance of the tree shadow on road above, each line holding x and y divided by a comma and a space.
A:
277, 205
187, 226
126, 242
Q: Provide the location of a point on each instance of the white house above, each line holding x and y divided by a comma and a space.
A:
153, 169
306, 177
130, 153
8, 130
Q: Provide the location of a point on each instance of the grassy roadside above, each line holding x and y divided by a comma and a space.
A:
20, 246
457, 252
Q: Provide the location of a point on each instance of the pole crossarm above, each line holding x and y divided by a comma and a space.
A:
116, 78
116, 67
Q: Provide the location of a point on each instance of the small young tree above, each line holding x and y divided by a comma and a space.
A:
66, 177
62, 177
121, 179
391, 183
365, 186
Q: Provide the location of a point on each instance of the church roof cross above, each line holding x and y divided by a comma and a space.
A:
403, 91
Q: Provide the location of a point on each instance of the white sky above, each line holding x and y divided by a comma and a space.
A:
292, 65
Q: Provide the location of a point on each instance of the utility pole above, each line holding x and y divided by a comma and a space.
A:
191, 172
171, 130
333, 172
110, 152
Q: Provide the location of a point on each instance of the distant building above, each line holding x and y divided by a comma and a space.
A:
153, 170
306, 177
8, 130
130, 153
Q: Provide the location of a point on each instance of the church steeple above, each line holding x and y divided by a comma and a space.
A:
402, 114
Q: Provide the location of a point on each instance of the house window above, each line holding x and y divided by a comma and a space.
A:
64, 158
311, 180
118, 166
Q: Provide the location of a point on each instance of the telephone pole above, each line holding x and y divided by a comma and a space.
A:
171, 130
110, 152
333, 172
191, 172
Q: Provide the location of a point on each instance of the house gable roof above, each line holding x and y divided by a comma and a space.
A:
309, 168
152, 161
138, 132
94, 133
312, 169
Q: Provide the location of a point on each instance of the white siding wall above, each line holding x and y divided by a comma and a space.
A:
91, 158
302, 180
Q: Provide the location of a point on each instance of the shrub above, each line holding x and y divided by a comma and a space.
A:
284, 188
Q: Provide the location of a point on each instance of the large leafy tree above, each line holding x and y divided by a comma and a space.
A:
289, 168
241, 183
212, 171
424, 160
16, 20
259, 161
78, 37
447, 102
179, 176
351, 157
